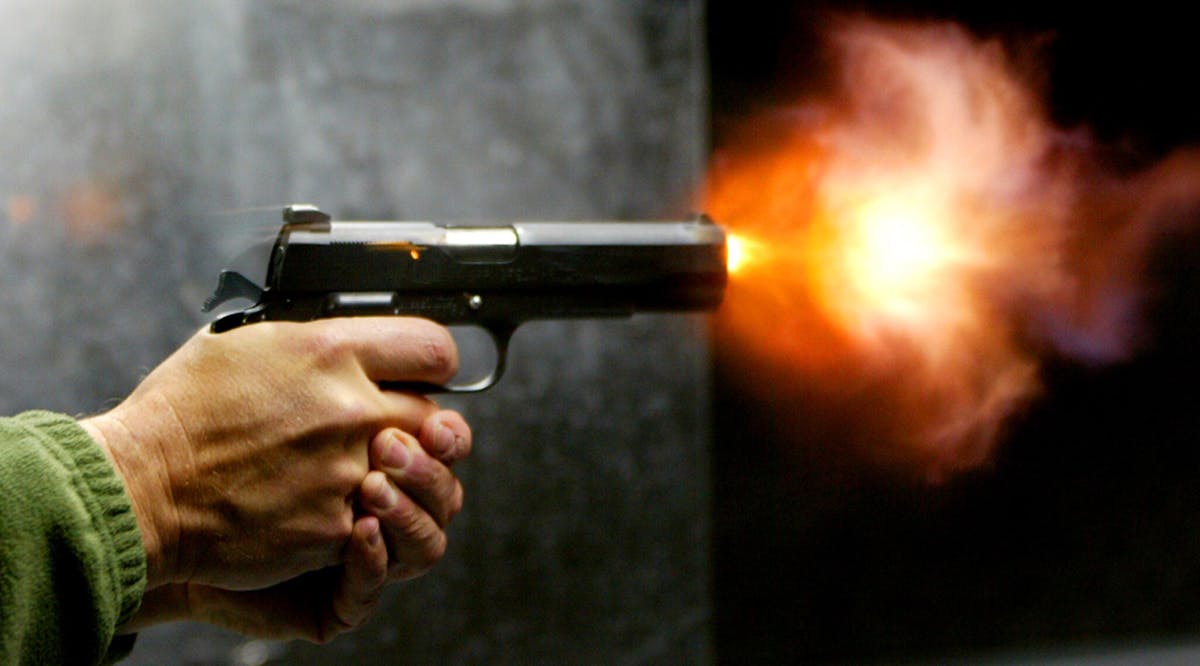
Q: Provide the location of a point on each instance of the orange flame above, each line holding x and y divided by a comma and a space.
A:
918, 243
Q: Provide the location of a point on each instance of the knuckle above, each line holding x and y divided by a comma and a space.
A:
353, 407
423, 474
406, 518
440, 487
445, 494
326, 345
431, 544
421, 537
437, 354
433, 549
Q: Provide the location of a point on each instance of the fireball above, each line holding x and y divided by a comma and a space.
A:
918, 242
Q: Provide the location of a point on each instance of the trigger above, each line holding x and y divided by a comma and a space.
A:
231, 285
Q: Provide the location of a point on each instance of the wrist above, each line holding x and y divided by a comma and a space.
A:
167, 603
147, 484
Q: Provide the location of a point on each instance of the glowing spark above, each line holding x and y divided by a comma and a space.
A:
738, 253
888, 263
414, 251
894, 251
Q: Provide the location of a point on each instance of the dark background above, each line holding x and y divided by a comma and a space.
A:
1083, 534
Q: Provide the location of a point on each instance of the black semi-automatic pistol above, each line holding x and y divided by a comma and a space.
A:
495, 277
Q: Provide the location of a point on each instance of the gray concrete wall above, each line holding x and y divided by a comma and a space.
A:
140, 139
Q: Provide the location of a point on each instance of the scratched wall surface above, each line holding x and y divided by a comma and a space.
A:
140, 136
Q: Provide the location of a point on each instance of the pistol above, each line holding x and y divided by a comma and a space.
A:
494, 277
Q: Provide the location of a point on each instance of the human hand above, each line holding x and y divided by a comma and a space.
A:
412, 491
244, 452
410, 496
316, 606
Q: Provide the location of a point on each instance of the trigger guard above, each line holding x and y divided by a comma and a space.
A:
501, 335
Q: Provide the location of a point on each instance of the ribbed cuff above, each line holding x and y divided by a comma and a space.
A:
103, 492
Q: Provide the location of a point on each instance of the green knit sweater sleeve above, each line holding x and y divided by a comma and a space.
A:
72, 566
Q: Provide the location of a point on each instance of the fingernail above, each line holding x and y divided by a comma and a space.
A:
387, 498
396, 455
373, 536
447, 441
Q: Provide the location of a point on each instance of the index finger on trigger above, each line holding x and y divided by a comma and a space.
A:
401, 349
